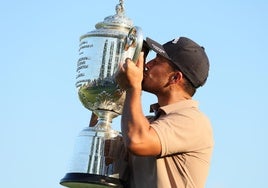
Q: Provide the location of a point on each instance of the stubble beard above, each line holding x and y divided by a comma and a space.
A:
148, 87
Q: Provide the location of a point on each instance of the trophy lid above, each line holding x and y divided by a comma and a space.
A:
119, 20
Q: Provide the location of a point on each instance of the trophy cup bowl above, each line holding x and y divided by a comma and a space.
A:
98, 150
101, 51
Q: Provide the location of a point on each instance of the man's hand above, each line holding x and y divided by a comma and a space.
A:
130, 75
93, 120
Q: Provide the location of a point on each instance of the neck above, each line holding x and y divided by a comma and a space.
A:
166, 100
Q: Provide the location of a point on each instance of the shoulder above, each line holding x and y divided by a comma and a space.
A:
188, 127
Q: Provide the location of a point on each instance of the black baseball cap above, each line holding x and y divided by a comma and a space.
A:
188, 56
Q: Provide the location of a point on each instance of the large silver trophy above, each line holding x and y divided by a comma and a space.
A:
97, 154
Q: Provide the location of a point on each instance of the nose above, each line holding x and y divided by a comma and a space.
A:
148, 64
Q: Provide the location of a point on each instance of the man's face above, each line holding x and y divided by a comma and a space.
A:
157, 74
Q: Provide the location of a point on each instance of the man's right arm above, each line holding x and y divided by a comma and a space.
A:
139, 137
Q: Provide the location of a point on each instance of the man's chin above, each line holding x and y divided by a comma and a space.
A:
144, 88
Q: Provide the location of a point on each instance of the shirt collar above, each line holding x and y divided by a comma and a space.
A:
174, 106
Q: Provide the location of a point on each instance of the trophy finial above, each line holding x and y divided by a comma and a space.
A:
120, 8
119, 20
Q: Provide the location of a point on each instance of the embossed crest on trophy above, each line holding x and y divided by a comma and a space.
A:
96, 160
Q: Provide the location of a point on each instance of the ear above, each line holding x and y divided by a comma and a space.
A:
176, 77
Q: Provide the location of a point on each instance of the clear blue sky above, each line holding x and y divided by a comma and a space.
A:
41, 114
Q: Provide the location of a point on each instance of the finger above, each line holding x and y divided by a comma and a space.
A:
127, 60
121, 66
140, 61
127, 63
119, 72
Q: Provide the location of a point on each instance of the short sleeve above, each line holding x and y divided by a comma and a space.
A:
186, 131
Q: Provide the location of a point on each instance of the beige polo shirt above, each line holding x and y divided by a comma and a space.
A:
187, 141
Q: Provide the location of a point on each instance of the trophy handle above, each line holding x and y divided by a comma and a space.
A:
134, 39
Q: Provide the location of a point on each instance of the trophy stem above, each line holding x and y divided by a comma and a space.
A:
105, 118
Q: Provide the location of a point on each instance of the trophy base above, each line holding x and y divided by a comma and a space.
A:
84, 180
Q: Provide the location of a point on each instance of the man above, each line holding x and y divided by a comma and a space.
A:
174, 148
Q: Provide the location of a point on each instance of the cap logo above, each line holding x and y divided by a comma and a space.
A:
175, 40
158, 49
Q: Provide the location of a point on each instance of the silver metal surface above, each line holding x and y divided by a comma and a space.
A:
97, 152
98, 149
100, 53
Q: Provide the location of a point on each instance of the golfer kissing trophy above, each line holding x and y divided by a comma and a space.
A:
97, 150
